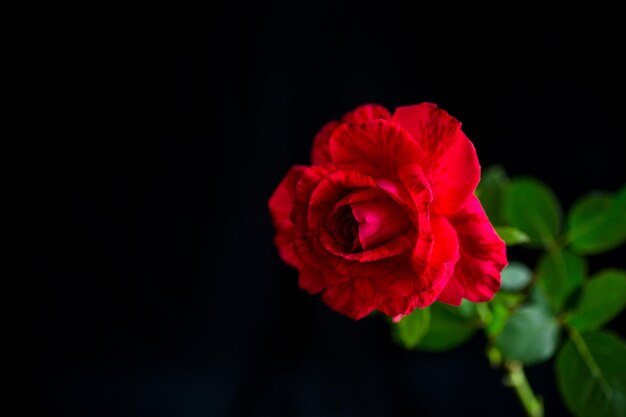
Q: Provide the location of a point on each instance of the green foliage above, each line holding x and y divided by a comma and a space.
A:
538, 296
508, 299
560, 273
523, 321
490, 191
512, 236
411, 328
531, 206
530, 335
515, 277
467, 310
499, 315
448, 329
591, 375
597, 222
603, 297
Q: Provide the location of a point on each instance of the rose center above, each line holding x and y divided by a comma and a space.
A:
364, 225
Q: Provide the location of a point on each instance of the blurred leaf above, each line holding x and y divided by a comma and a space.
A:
538, 296
591, 375
512, 236
467, 310
559, 273
603, 297
411, 328
499, 315
515, 277
597, 223
509, 300
448, 329
532, 207
529, 336
490, 192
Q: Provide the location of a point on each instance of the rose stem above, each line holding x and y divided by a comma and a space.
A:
517, 380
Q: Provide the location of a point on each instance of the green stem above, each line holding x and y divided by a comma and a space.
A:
517, 380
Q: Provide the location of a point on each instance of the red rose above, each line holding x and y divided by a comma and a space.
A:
385, 217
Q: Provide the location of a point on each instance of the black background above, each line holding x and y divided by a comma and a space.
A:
158, 290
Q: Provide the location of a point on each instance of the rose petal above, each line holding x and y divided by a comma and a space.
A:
452, 293
394, 247
482, 257
322, 188
327, 234
309, 180
375, 148
319, 187
330, 190
366, 112
419, 283
446, 241
449, 159
311, 280
352, 298
319, 152
413, 180
379, 221
394, 305
280, 205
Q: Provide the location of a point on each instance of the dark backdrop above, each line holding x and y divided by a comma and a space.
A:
158, 290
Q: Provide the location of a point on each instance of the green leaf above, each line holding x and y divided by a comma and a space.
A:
512, 236
597, 222
490, 192
509, 300
411, 328
448, 329
515, 277
532, 207
603, 297
560, 273
538, 296
530, 336
591, 375
467, 310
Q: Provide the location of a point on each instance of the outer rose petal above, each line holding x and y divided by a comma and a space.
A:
483, 255
352, 298
311, 280
446, 247
449, 159
376, 148
393, 306
319, 152
366, 112
280, 205
309, 180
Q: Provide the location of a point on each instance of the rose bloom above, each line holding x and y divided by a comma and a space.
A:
385, 218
